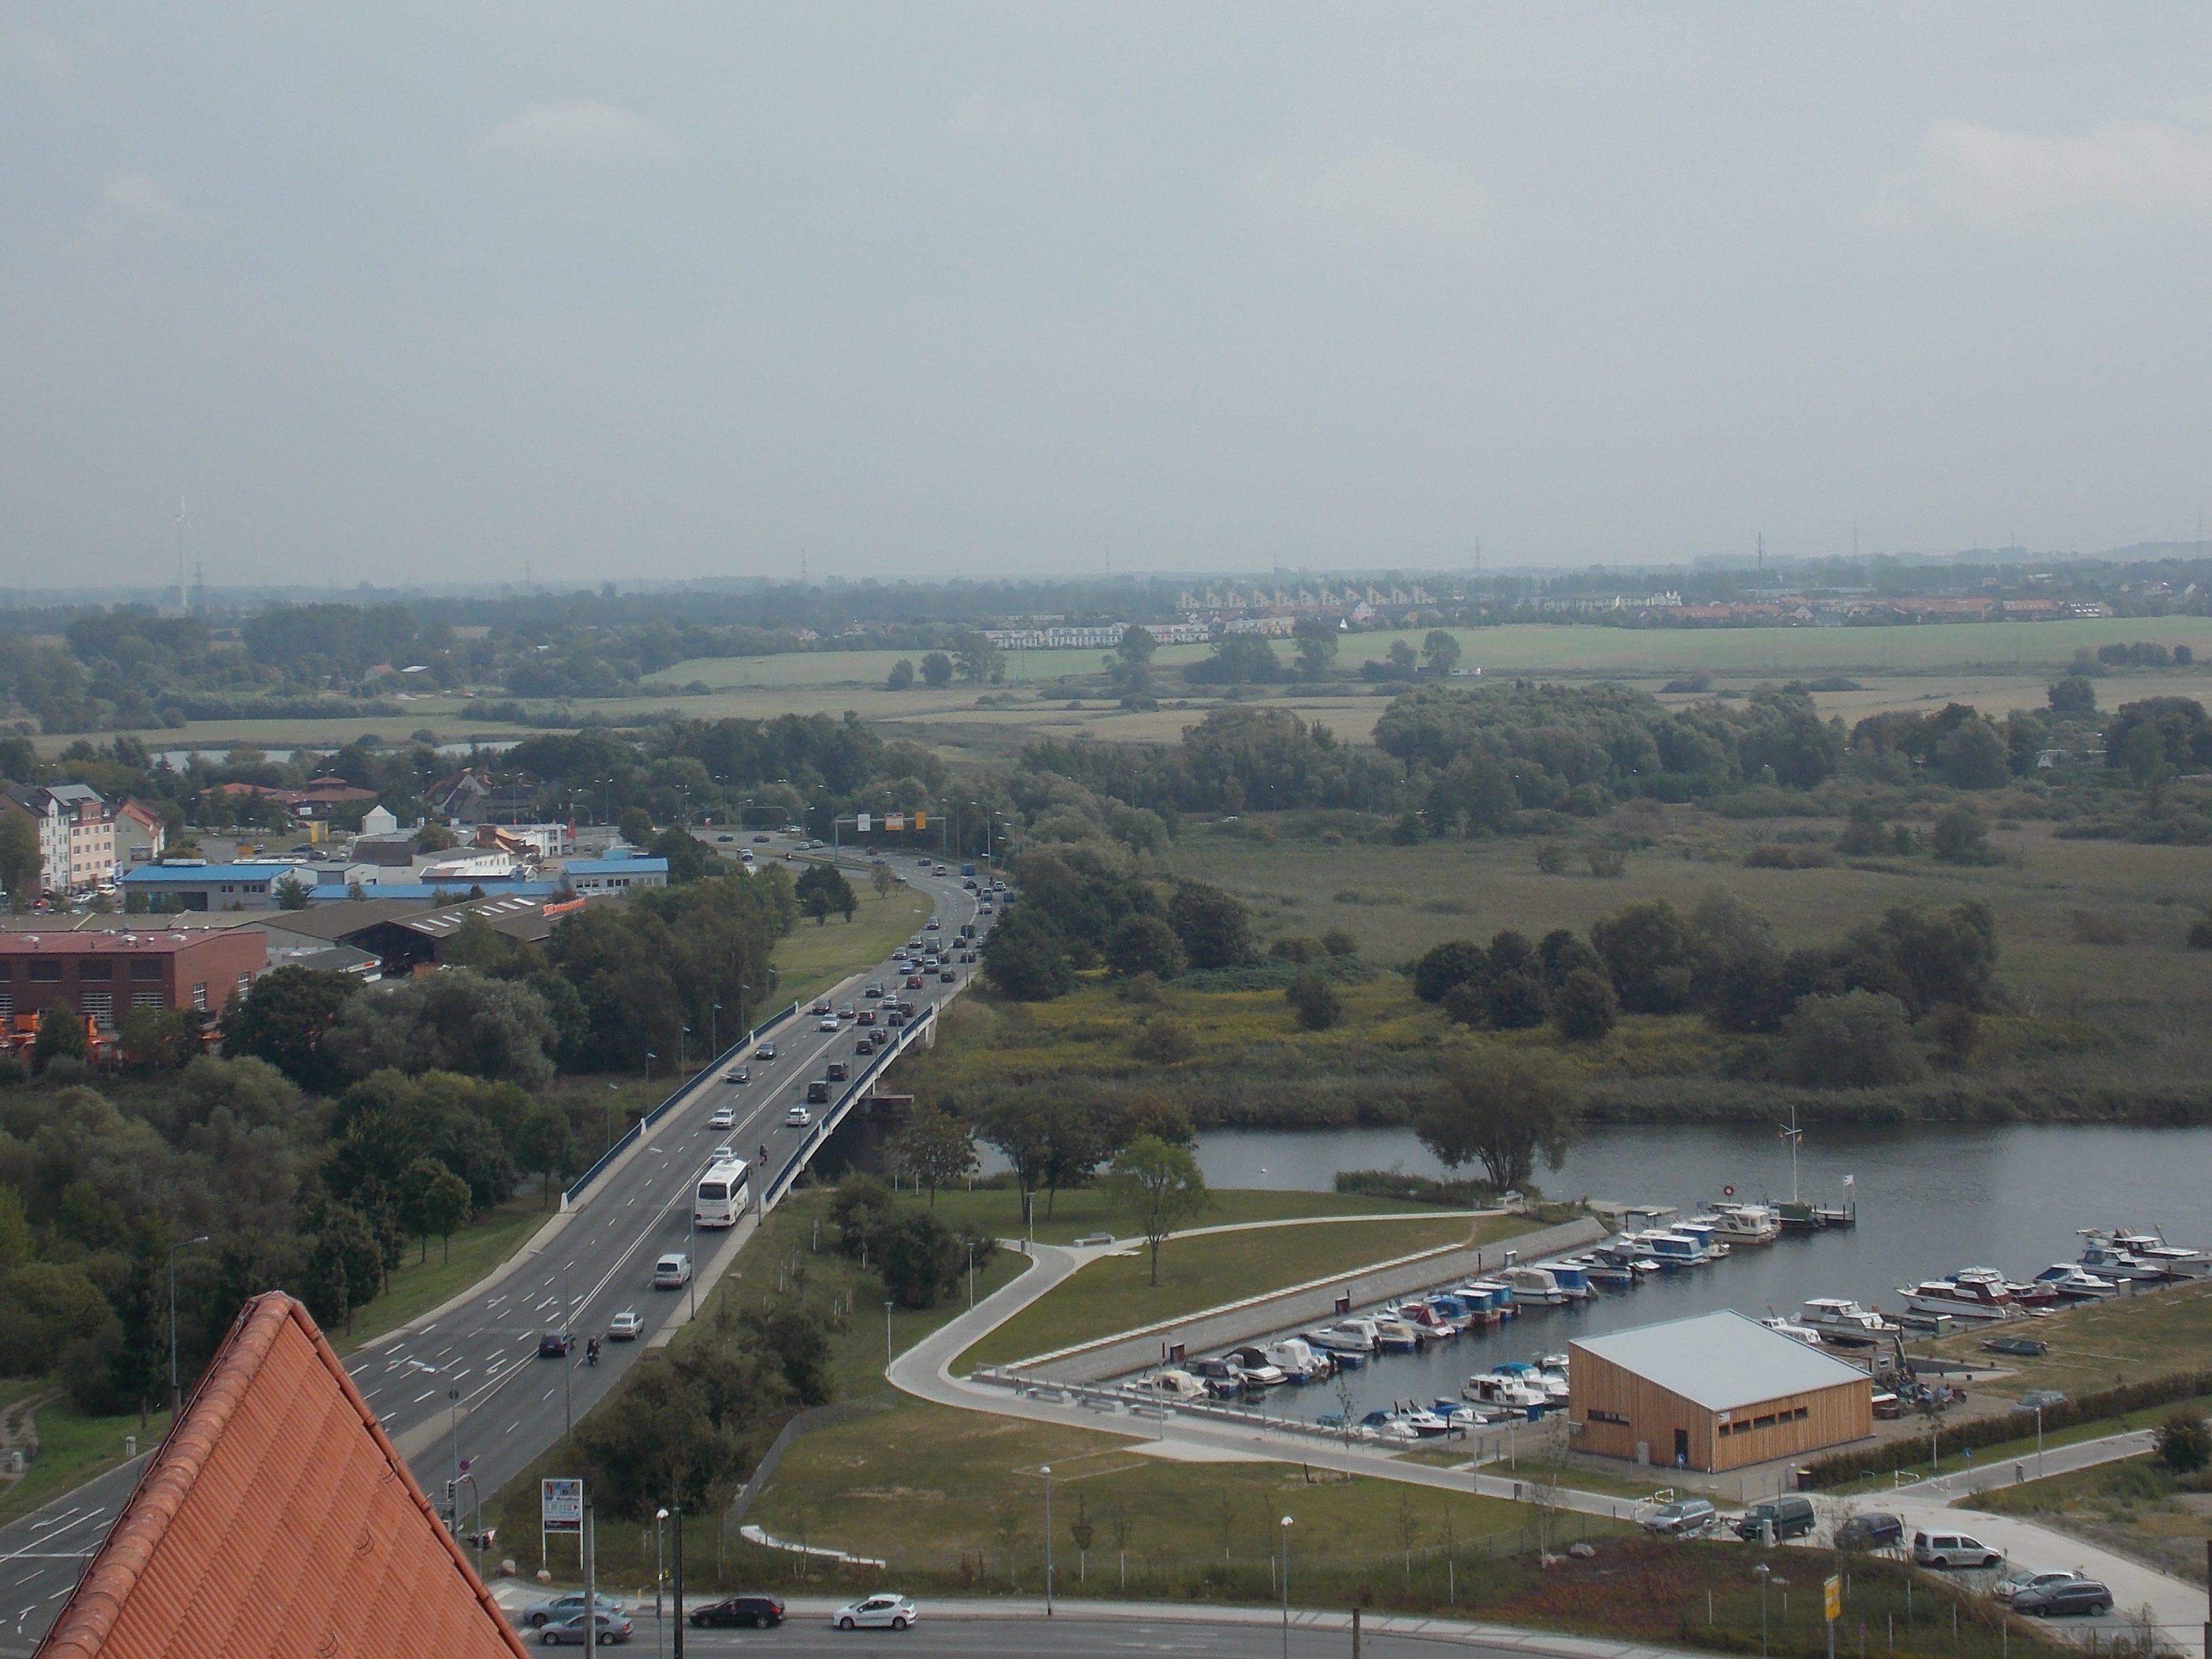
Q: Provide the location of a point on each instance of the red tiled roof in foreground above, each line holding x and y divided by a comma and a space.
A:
277, 1520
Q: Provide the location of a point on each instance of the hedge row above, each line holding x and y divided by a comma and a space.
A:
1840, 1468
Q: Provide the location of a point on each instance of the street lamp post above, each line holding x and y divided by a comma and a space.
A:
887, 1336
659, 1572
453, 1429
1764, 1573
714, 1028
1287, 1587
175, 1398
568, 1361
611, 1088
1045, 1469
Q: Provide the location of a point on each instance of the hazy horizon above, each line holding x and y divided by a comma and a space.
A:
434, 296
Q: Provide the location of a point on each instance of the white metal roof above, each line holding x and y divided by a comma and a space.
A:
1720, 1360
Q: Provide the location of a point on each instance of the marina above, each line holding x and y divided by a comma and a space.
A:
1849, 1283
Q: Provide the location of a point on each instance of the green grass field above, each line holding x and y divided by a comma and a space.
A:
74, 1448
1116, 1292
417, 1286
1082, 1210
814, 957
2158, 1333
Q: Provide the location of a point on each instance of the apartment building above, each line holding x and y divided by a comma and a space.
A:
76, 834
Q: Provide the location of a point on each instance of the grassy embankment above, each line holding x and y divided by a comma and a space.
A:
814, 957
2130, 1339
1115, 1293
2136, 1507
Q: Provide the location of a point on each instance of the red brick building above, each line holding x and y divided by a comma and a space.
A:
106, 975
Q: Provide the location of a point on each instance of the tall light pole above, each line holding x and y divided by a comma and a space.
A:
1287, 1587
714, 1028
176, 1400
454, 1428
1045, 1469
569, 1361
649, 1058
887, 1336
612, 1088
659, 1572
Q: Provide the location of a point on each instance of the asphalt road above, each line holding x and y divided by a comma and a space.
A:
468, 1385
961, 1630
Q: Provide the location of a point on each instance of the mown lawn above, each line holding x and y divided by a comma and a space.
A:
1116, 1292
1088, 1210
814, 957
2157, 1334
73, 1449
418, 1287
955, 1498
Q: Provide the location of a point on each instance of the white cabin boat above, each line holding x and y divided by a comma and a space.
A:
1746, 1223
1969, 1299
1538, 1286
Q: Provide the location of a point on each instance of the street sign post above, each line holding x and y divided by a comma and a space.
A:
560, 1509
1833, 1593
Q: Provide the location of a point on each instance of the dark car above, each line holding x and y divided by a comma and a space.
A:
865, 1047
895, 1017
2087, 1595
745, 1612
1874, 1530
817, 1093
1791, 1516
867, 1017
837, 1071
761, 840
556, 1345
949, 977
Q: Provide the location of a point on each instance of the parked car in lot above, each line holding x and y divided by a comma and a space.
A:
556, 1345
2021, 1579
1874, 1530
556, 1608
1792, 1518
739, 1612
876, 1613
625, 1326
672, 1272
1683, 1517
1952, 1549
2084, 1595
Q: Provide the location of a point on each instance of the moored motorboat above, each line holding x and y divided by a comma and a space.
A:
1781, 1325
2074, 1283
1538, 1286
1843, 1323
2174, 1261
1975, 1299
1744, 1223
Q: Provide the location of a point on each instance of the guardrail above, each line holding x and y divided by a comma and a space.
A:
630, 1136
773, 1190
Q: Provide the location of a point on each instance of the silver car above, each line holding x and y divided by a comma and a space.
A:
876, 1613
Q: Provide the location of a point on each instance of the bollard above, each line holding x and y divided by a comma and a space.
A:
129, 1447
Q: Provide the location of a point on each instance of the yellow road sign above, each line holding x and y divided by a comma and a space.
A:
1834, 1587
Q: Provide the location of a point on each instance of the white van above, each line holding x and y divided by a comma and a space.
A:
672, 1272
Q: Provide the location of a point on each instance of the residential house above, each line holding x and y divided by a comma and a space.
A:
140, 834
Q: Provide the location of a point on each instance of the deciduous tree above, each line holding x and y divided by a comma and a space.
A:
1160, 1186
1503, 1108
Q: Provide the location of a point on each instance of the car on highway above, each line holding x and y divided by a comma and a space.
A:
726, 1118
821, 1006
556, 1345
867, 1017
933, 926
760, 841
837, 1071
949, 977
625, 1326
1952, 1549
1684, 1517
865, 1047
818, 1094
876, 1613
1877, 1529
765, 1051
896, 1016
672, 1272
737, 1074
846, 1011
873, 991
985, 911
2088, 1596
723, 838
914, 944
556, 1608
612, 1627
799, 1117
743, 1611
913, 982
827, 1023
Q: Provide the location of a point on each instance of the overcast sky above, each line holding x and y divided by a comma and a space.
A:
422, 293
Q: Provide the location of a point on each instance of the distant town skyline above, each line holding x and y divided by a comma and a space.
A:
441, 296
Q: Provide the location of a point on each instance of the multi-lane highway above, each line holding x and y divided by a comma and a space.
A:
464, 1385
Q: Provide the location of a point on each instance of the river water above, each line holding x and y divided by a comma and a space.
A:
1930, 1199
